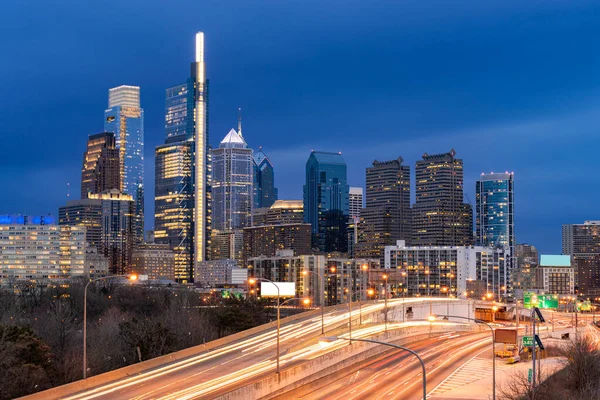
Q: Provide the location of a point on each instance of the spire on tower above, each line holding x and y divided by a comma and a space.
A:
240, 121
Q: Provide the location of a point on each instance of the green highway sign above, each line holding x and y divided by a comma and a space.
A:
530, 375
527, 341
531, 299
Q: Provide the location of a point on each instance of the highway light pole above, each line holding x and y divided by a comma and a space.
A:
385, 277
330, 339
130, 277
432, 318
306, 272
254, 280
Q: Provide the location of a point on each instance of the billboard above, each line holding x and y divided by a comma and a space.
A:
286, 289
555, 260
505, 336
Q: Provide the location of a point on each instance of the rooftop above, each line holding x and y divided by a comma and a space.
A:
328, 158
233, 139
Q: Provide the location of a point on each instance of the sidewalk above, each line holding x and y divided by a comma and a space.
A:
473, 380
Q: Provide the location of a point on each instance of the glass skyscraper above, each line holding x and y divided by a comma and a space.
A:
495, 221
326, 201
232, 183
265, 192
177, 192
125, 118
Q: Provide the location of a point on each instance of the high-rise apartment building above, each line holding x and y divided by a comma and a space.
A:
125, 118
265, 192
177, 194
386, 217
155, 260
495, 215
439, 216
355, 202
446, 270
582, 243
109, 219
35, 252
326, 201
232, 175
101, 166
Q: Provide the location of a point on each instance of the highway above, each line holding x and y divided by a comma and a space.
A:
397, 375
206, 374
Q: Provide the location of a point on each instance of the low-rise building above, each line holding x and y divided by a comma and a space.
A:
220, 272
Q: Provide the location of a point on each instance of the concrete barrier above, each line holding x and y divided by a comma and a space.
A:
333, 362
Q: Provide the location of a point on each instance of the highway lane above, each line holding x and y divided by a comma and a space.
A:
229, 365
398, 375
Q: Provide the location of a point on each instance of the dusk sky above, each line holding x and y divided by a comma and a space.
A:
512, 86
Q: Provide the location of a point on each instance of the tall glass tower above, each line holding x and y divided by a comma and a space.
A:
326, 201
265, 192
177, 193
495, 217
232, 176
125, 118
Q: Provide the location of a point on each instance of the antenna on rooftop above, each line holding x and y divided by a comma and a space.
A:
240, 121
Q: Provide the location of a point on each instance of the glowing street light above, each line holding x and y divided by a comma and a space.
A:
131, 277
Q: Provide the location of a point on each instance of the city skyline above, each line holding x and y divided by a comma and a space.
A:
536, 114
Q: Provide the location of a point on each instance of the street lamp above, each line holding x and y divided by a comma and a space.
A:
432, 318
385, 277
351, 294
330, 339
131, 277
253, 281
306, 272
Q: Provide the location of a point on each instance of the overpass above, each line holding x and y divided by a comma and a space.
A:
243, 365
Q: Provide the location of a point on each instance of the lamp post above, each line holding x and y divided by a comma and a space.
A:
385, 277
254, 280
306, 272
432, 318
334, 338
130, 277
351, 294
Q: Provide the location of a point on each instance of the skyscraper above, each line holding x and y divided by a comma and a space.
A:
125, 118
177, 194
495, 218
232, 175
100, 169
582, 243
265, 192
386, 217
355, 202
326, 201
439, 217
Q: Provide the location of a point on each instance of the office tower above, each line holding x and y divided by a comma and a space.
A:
232, 175
582, 243
449, 270
495, 218
527, 254
227, 245
155, 260
281, 212
439, 217
34, 251
355, 202
109, 218
386, 217
266, 240
176, 193
265, 192
125, 118
100, 169
326, 201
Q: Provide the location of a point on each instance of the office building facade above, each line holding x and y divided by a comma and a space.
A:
281, 212
265, 192
582, 243
386, 217
155, 260
125, 118
232, 190
101, 165
326, 201
495, 215
266, 240
439, 216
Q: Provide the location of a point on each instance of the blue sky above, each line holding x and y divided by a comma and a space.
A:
510, 85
